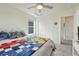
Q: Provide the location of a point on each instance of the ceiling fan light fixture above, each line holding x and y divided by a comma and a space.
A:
39, 7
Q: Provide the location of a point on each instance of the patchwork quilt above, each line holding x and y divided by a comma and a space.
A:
22, 47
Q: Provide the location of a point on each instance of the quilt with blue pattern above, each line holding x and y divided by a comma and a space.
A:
21, 47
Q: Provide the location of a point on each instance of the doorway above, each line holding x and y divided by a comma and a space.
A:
67, 29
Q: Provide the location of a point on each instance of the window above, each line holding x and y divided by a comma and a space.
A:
31, 27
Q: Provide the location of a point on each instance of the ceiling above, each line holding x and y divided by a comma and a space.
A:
51, 4
57, 6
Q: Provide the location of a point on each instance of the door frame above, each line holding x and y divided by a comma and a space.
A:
61, 38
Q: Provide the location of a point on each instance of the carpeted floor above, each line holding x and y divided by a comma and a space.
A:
63, 50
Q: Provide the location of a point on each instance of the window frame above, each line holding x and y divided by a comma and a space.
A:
34, 25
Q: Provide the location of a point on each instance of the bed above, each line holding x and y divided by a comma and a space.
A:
27, 46
46, 50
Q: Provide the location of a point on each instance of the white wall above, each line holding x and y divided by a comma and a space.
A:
12, 19
46, 23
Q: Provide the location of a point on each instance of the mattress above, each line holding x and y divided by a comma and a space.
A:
22, 47
46, 50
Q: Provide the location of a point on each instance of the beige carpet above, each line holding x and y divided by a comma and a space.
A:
63, 50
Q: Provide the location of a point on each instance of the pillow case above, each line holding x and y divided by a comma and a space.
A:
4, 35
16, 34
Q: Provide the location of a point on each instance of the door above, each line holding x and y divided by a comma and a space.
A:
67, 28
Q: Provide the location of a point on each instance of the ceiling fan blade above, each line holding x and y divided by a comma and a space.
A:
39, 3
46, 6
32, 7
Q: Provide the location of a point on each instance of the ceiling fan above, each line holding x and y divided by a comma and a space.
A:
40, 6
